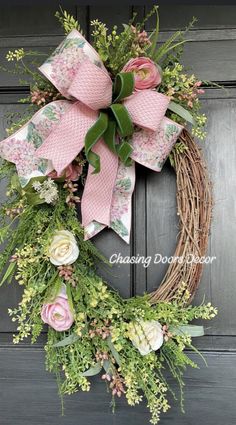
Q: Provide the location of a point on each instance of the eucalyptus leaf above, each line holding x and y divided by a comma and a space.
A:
94, 370
191, 330
182, 112
107, 366
71, 339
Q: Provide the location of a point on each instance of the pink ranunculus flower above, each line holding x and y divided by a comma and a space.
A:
71, 172
57, 314
147, 75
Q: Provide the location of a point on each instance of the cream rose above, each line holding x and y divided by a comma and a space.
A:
146, 336
63, 249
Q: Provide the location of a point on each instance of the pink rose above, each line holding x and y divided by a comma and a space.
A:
71, 172
58, 314
146, 73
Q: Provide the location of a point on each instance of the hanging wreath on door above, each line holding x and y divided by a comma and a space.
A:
108, 106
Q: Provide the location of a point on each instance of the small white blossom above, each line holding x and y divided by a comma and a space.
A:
36, 185
18, 54
46, 190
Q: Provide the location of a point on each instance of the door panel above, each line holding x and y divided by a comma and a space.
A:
28, 395
210, 392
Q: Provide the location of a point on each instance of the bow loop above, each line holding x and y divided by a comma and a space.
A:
147, 108
61, 67
99, 118
92, 86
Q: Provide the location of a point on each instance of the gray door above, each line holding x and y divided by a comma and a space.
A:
28, 395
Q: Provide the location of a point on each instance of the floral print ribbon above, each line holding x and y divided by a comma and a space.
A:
55, 135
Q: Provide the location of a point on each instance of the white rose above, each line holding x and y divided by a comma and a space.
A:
63, 249
146, 336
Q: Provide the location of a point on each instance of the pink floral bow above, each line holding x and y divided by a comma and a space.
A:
56, 134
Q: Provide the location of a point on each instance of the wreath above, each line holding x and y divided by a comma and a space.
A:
92, 113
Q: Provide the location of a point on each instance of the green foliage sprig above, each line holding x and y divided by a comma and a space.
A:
99, 342
67, 21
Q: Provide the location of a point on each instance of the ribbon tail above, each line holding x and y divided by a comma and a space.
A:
98, 191
152, 148
121, 205
121, 211
67, 139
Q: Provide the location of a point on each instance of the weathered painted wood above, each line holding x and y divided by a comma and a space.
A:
220, 151
208, 15
28, 395
111, 16
140, 230
210, 392
207, 58
37, 19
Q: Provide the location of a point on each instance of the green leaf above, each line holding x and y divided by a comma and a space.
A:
34, 199
69, 296
168, 45
126, 27
94, 370
172, 47
107, 366
191, 330
15, 183
29, 186
113, 351
32, 196
71, 339
9, 273
54, 285
182, 112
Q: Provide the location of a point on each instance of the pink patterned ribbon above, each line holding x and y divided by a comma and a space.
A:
78, 73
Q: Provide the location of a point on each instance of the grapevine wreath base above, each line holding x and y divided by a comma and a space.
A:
98, 111
194, 206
